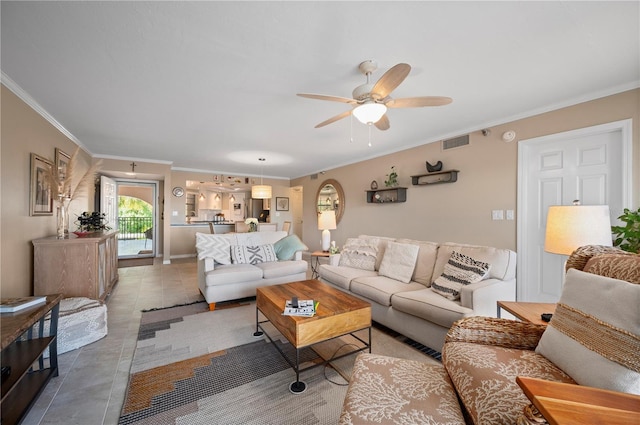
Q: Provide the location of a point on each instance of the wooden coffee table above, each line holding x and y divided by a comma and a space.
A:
338, 314
527, 311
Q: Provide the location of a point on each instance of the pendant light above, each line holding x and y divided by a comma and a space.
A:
261, 191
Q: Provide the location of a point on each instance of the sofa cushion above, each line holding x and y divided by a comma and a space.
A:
459, 271
275, 269
430, 306
596, 323
244, 254
485, 378
232, 273
399, 261
381, 243
217, 247
287, 247
381, 288
256, 238
503, 261
393, 390
359, 253
342, 276
425, 262
624, 267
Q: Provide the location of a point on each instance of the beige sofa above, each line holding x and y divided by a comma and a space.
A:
233, 265
413, 308
587, 342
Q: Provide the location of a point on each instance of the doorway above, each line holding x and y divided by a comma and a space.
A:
592, 165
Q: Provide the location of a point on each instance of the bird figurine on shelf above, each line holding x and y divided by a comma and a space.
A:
434, 168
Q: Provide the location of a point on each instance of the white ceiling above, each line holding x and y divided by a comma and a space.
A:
211, 86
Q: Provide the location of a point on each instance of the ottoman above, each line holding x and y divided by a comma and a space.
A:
81, 322
389, 390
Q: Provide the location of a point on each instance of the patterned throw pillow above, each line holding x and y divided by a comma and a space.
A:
244, 254
616, 266
459, 271
212, 246
359, 253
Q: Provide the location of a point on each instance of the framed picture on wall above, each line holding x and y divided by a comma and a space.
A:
41, 197
282, 204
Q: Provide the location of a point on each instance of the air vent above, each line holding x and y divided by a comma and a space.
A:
314, 176
456, 142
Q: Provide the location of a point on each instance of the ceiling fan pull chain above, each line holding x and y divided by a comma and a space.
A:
370, 125
351, 121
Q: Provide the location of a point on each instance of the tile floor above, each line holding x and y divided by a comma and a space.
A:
91, 385
92, 380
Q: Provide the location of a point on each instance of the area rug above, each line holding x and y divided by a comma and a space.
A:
194, 366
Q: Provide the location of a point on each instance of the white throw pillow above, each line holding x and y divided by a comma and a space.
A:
213, 246
460, 270
594, 335
359, 253
399, 261
244, 254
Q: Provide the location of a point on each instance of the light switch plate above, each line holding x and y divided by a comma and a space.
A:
497, 215
510, 215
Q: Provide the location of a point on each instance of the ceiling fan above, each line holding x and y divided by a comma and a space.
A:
370, 101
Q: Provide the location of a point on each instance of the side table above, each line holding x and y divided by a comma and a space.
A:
24, 382
528, 312
315, 262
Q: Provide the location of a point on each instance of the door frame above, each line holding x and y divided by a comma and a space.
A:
155, 186
626, 129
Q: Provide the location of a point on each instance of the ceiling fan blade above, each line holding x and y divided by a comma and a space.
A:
416, 102
383, 123
326, 97
334, 119
390, 80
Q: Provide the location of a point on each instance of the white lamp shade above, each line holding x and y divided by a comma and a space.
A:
261, 191
327, 220
369, 113
570, 227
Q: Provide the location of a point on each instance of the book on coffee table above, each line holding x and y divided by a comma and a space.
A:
11, 305
306, 308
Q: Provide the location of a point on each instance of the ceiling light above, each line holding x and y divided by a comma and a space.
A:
261, 191
370, 112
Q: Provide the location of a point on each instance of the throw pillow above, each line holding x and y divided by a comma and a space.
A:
287, 247
459, 271
244, 254
211, 246
399, 261
617, 266
594, 335
359, 253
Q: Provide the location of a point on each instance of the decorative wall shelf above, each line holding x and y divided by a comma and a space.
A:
388, 195
449, 176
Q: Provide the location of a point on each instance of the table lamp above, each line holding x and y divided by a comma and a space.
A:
573, 226
326, 222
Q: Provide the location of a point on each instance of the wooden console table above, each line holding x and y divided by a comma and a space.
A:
23, 384
564, 404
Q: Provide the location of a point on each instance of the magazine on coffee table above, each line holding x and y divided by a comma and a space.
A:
306, 308
11, 305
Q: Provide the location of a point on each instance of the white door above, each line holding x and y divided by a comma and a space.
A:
592, 165
109, 201
295, 207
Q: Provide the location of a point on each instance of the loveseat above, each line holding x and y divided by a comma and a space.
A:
233, 265
396, 275
593, 339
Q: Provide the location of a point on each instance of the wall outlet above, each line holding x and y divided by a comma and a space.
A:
497, 215
174, 213
510, 215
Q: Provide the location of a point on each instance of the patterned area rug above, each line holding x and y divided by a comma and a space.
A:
192, 366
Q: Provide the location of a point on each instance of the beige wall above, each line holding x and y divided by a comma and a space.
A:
461, 211
24, 131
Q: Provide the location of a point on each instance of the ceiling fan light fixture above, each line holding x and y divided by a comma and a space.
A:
261, 191
369, 113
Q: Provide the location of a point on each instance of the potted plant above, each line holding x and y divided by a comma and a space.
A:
89, 222
392, 178
627, 237
253, 224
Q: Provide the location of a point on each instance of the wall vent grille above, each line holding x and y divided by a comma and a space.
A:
456, 142
314, 176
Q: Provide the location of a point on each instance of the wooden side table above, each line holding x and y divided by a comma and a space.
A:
528, 312
316, 255
564, 404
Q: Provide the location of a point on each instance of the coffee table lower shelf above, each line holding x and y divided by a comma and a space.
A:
299, 386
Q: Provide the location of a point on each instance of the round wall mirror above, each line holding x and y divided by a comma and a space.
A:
330, 197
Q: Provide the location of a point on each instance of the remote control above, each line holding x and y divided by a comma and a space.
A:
546, 317
294, 302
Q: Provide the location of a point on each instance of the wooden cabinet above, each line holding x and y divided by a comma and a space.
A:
76, 267
24, 380
449, 176
387, 196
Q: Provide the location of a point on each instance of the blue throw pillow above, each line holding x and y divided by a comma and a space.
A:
287, 247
